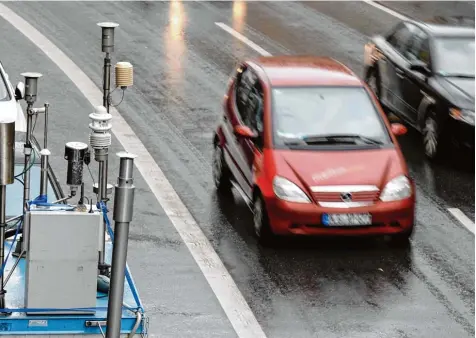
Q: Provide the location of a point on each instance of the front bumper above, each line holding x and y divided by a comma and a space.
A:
462, 133
388, 218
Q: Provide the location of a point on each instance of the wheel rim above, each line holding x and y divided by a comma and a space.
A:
430, 137
257, 217
217, 165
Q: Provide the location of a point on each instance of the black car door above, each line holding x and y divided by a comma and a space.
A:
415, 83
395, 66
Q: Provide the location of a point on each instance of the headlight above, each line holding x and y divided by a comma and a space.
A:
397, 189
464, 115
288, 191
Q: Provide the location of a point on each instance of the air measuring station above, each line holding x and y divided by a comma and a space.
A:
64, 270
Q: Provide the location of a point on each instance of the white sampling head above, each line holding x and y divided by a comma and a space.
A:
100, 137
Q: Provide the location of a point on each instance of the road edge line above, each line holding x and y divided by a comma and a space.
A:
222, 284
462, 218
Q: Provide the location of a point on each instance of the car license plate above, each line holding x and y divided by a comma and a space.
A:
346, 219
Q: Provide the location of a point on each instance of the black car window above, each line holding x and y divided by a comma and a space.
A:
255, 108
419, 48
244, 85
400, 38
255, 111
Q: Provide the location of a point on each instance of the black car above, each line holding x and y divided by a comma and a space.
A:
424, 73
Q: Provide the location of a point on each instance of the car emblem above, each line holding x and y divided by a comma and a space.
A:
346, 196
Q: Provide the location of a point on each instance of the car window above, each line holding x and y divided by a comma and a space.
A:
14, 205
400, 38
4, 94
419, 48
244, 85
255, 112
320, 111
454, 56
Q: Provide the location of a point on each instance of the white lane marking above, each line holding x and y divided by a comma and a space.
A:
232, 301
242, 38
462, 218
386, 9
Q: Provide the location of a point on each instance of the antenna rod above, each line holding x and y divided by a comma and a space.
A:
31, 90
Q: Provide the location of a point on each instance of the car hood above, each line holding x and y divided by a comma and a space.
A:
13, 108
460, 89
367, 167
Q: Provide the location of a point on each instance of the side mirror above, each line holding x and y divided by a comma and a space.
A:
398, 129
244, 132
420, 67
20, 91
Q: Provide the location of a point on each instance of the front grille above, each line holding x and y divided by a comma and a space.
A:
360, 196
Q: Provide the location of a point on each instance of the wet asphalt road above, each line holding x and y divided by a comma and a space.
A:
181, 63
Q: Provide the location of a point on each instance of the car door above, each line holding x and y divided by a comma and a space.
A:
393, 69
415, 84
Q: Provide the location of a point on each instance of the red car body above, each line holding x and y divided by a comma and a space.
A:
325, 176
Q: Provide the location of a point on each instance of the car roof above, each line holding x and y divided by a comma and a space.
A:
306, 70
449, 26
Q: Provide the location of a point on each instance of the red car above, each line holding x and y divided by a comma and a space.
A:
309, 146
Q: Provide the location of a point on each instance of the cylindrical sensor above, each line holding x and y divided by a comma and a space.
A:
31, 86
124, 192
124, 74
7, 153
74, 153
107, 42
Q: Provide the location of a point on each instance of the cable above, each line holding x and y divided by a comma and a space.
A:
122, 98
19, 180
32, 163
94, 182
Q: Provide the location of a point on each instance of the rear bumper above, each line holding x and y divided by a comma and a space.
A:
388, 218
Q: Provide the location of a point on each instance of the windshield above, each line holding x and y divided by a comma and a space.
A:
15, 191
319, 114
4, 95
455, 56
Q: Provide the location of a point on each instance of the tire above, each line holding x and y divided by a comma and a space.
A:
402, 240
220, 171
433, 140
261, 226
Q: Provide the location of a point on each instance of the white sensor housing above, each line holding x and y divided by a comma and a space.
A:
100, 137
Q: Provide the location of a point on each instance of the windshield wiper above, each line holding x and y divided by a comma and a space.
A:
339, 139
461, 76
293, 141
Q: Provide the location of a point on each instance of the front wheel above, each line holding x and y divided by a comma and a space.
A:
432, 136
402, 240
220, 172
261, 224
